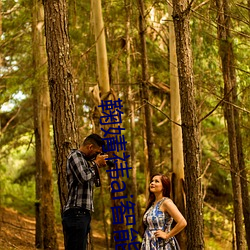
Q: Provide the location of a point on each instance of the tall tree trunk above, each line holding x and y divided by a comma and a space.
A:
61, 88
176, 132
181, 16
101, 51
145, 90
106, 92
103, 76
243, 179
46, 237
39, 228
230, 93
96, 129
128, 9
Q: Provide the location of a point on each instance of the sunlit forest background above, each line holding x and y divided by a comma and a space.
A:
17, 83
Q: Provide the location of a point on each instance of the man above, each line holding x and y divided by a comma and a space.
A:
82, 170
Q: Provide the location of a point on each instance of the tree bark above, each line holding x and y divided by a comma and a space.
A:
106, 93
231, 116
132, 107
145, 90
61, 87
243, 178
181, 16
101, 51
46, 237
176, 132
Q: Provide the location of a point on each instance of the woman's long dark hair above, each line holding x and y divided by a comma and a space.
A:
166, 185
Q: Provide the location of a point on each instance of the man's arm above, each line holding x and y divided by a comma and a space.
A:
80, 167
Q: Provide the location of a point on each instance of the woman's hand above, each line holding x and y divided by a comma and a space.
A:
161, 234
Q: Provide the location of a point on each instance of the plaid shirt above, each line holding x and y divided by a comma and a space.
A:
80, 179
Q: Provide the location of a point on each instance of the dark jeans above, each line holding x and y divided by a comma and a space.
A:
76, 226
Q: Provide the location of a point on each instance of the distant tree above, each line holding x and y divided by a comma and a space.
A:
144, 88
101, 50
194, 215
106, 94
61, 85
131, 103
231, 115
46, 237
103, 78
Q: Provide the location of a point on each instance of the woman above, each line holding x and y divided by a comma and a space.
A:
159, 215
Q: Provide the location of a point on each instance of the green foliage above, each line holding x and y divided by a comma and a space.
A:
25, 175
18, 188
218, 228
19, 197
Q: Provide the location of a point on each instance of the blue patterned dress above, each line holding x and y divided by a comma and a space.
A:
155, 220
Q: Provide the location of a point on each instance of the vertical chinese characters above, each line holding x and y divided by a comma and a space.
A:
116, 143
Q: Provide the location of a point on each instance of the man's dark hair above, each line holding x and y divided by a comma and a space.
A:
94, 139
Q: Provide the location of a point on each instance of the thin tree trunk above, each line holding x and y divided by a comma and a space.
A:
192, 169
46, 237
61, 87
176, 132
96, 126
38, 68
243, 179
103, 76
145, 90
101, 51
230, 92
132, 108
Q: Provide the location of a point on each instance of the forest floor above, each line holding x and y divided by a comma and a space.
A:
18, 232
